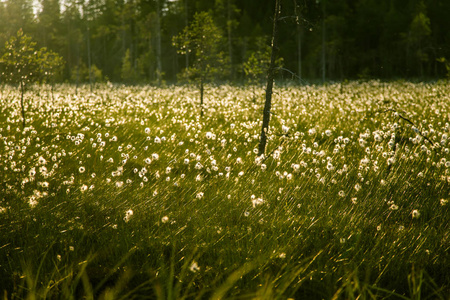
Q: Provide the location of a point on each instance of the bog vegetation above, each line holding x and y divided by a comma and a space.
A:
126, 192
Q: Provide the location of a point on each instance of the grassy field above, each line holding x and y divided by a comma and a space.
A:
127, 193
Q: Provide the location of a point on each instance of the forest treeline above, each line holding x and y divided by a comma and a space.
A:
134, 41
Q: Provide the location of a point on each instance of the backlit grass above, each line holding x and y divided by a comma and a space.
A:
127, 192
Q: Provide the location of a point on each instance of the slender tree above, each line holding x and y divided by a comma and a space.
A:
298, 20
258, 63
186, 21
270, 79
49, 19
324, 42
226, 12
22, 63
51, 65
418, 36
202, 38
158, 42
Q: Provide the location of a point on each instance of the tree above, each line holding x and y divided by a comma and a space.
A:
73, 40
158, 42
51, 66
226, 12
50, 24
419, 34
22, 63
127, 72
17, 14
258, 63
270, 78
446, 65
298, 21
203, 39
324, 42
256, 66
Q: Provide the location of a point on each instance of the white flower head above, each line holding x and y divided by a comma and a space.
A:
83, 188
257, 202
32, 201
42, 160
128, 215
194, 267
415, 214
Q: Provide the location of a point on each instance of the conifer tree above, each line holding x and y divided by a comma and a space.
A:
203, 39
21, 64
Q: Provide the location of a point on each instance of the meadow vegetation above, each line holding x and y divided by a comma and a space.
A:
126, 192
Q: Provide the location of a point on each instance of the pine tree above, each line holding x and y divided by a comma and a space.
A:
203, 39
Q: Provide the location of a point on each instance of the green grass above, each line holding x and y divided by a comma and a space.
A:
84, 215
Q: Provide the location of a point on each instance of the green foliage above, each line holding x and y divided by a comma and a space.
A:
203, 40
81, 74
420, 28
96, 74
257, 64
446, 64
408, 38
420, 31
22, 63
51, 65
20, 60
127, 73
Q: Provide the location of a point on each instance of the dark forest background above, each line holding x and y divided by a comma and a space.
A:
132, 41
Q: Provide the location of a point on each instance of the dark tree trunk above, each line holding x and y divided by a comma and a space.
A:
299, 52
298, 17
89, 57
270, 78
186, 20
324, 42
230, 46
158, 43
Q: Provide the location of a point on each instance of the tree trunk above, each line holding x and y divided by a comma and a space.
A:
230, 46
186, 20
201, 97
21, 103
299, 51
270, 78
323, 42
89, 57
158, 43
298, 17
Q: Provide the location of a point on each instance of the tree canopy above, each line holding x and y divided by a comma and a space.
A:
22, 63
132, 41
